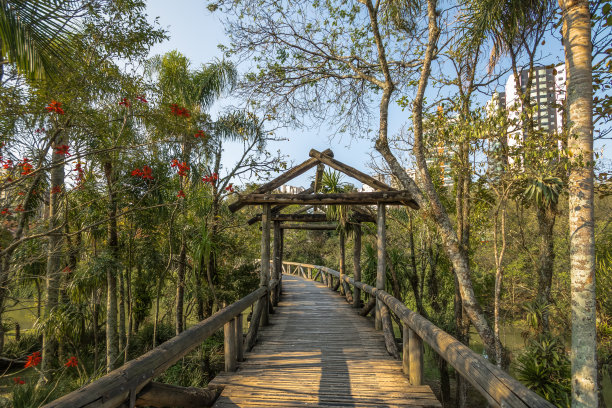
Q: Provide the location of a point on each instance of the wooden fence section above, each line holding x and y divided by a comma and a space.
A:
317, 352
497, 386
131, 385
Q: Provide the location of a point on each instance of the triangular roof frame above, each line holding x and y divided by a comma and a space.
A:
384, 194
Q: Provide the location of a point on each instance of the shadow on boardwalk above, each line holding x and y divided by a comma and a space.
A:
317, 352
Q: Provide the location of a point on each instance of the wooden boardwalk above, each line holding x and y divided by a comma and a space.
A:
318, 352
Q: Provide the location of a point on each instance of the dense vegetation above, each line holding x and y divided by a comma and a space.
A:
114, 185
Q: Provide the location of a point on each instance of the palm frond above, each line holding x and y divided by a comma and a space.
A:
35, 34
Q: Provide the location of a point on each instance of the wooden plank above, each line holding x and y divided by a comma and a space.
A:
303, 359
239, 338
280, 180
405, 352
390, 197
277, 261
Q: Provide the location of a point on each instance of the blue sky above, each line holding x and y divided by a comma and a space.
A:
196, 33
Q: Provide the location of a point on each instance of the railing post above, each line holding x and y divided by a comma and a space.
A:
381, 238
229, 345
239, 338
405, 349
264, 279
416, 358
357, 265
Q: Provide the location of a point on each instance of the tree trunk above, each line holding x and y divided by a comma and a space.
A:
112, 352
54, 258
578, 48
180, 288
546, 222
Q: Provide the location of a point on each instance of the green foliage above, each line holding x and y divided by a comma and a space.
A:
544, 367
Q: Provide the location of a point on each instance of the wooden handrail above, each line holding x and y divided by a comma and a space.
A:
124, 383
497, 386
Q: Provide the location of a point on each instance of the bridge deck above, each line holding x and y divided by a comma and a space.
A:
317, 352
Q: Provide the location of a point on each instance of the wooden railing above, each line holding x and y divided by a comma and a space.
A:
497, 386
131, 385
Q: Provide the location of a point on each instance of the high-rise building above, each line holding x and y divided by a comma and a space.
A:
547, 94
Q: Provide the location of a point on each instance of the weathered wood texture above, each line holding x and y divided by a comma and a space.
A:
353, 172
160, 395
390, 197
128, 380
282, 179
316, 217
317, 352
497, 386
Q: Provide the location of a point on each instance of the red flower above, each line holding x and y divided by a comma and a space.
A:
33, 359
230, 188
147, 173
26, 168
5, 211
56, 189
211, 179
18, 380
72, 362
67, 269
80, 172
8, 164
142, 99
200, 133
125, 102
137, 172
55, 106
19, 208
183, 168
180, 194
179, 111
63, 149
21, 193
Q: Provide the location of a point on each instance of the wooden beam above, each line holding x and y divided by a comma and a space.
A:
277, 208
389, 197
229, 345
160, 395
282, 179
310, 227
296, 217
348, 170
356, 174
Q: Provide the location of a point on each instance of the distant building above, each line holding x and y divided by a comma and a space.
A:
547, 94
287, 189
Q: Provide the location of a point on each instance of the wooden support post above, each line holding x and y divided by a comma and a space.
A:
342, 267
276, 270
309, 273
239, 338
381, 235
415, 347
405, 346
387, 326
229, 345
279, 288
264, 277
357, 265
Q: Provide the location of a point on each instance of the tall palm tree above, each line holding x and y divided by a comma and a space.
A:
578, 62
34, 34
195, 90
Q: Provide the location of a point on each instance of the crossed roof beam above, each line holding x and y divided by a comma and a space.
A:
310, 197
